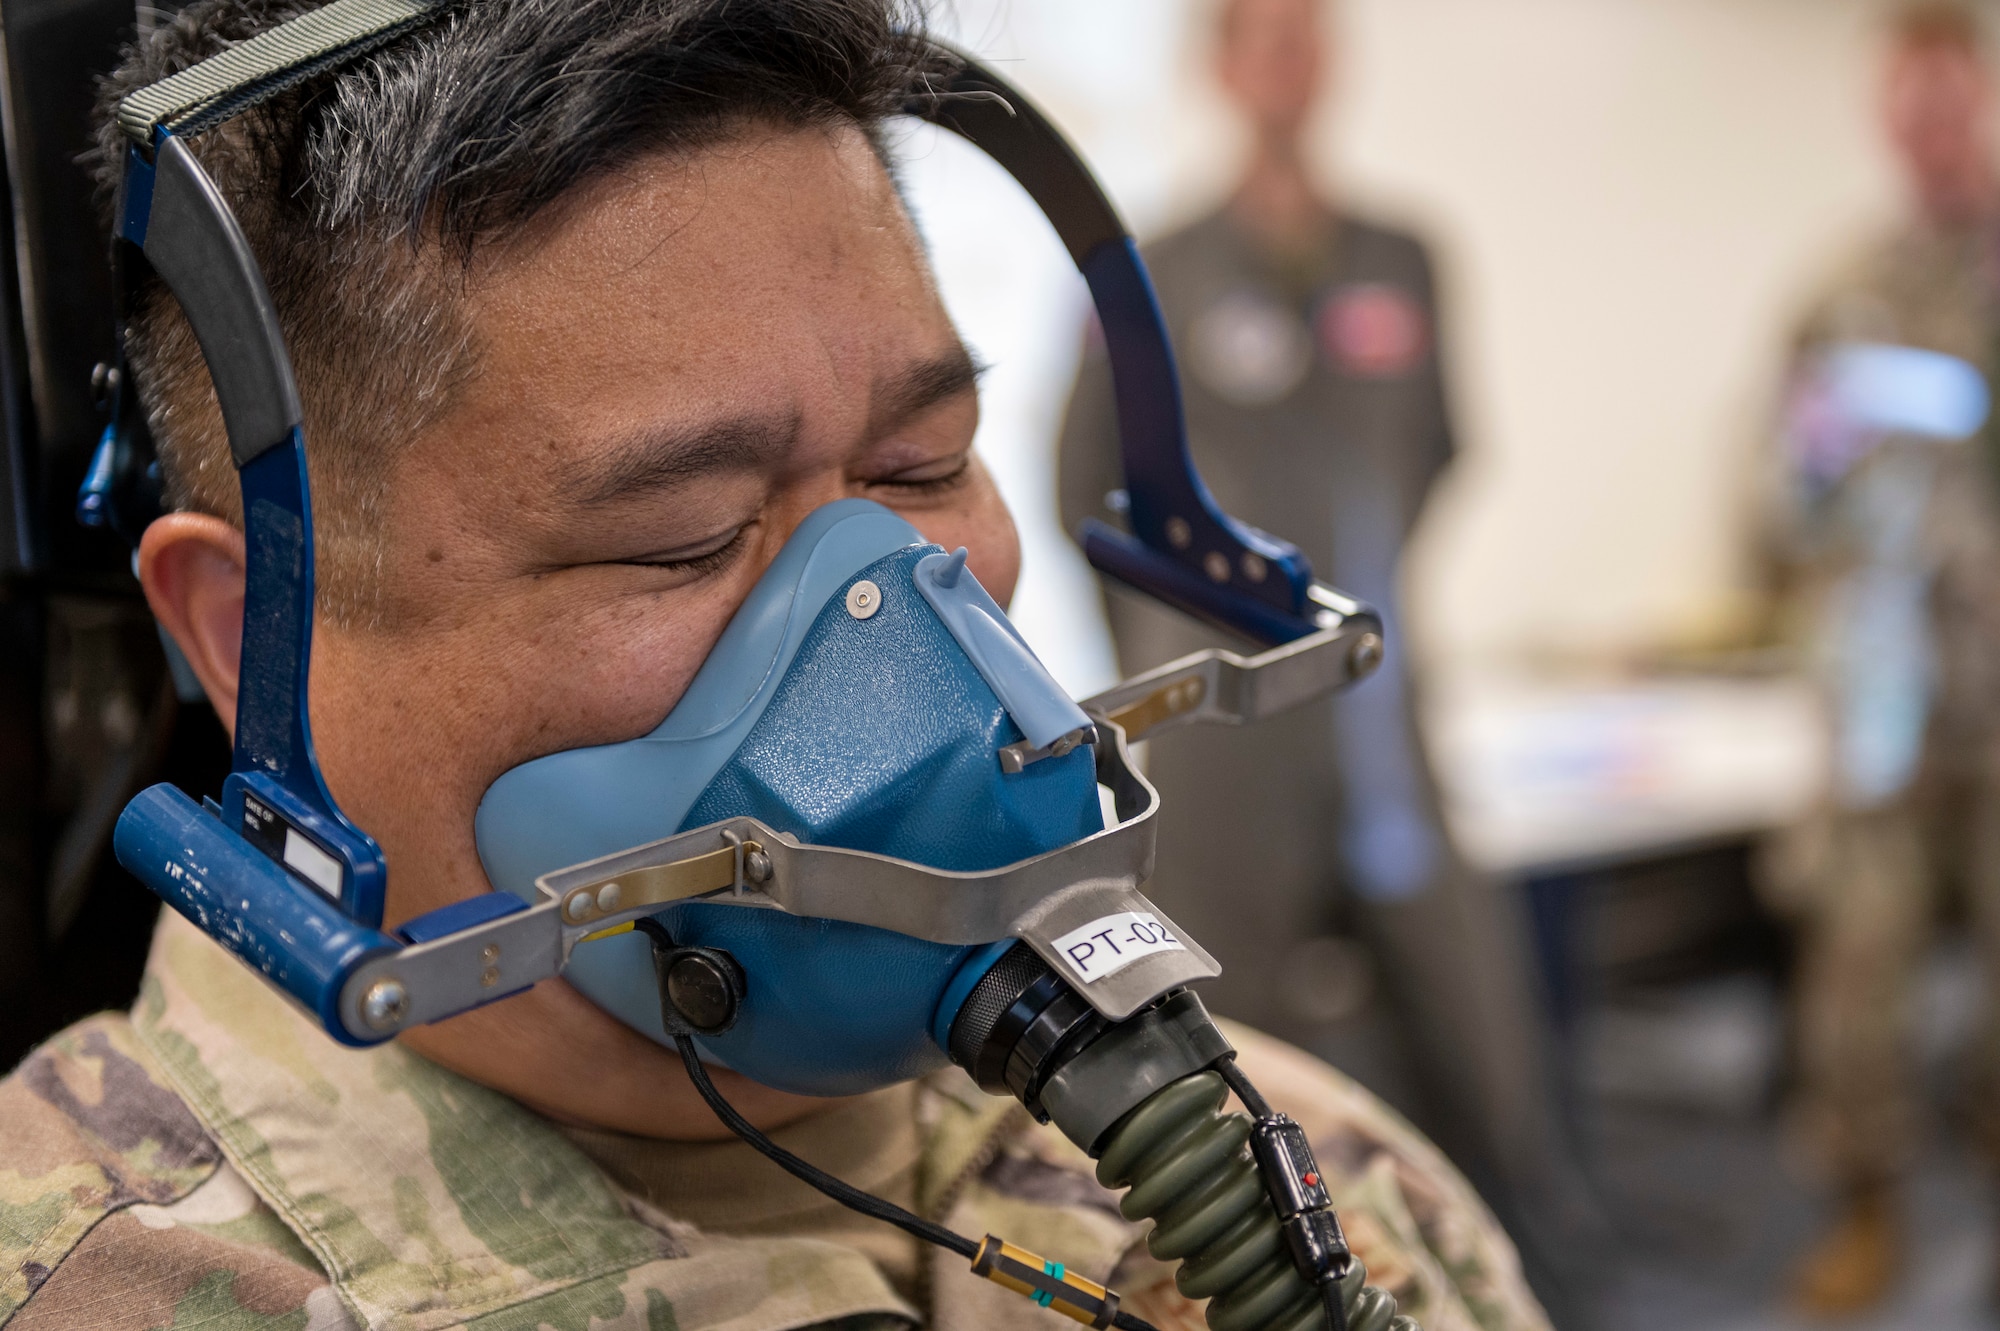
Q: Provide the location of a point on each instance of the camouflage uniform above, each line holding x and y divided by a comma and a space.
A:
214, 1160
1912, 803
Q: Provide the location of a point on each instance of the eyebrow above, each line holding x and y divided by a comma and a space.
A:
922, 386
662, 459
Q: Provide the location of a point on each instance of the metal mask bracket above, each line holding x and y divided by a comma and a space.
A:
742, 862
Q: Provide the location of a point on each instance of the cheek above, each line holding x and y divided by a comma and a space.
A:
985, 528
410, 761
1000, 569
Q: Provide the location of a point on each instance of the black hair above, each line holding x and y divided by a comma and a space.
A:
363, 190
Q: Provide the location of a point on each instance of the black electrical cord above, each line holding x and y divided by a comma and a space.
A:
1278, 1154
1336, 1307
1254, 1101
847, 1194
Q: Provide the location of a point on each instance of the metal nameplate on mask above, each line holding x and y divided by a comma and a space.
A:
1120, 948
1108, 945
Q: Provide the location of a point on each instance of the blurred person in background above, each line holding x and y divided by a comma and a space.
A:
1321, 868
1886, 552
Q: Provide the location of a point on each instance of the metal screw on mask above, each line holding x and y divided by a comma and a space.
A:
383, 1006
864, 598
1366, 654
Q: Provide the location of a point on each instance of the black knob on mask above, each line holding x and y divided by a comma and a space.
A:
701, 988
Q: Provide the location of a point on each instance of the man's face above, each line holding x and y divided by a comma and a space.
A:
1269, 59
1936, 103
681, 366
676, 368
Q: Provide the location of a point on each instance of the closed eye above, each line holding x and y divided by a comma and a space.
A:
696, 561
934, 478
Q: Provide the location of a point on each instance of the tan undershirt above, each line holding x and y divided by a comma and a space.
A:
726, 1187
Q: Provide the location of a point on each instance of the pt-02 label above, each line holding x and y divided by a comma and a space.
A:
1106, 946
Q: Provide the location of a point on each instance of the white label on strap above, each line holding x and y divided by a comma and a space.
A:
1108, 945
313, 864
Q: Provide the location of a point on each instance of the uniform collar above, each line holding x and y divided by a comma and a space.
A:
430, 1199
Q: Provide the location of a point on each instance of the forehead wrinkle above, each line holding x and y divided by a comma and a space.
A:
650, 460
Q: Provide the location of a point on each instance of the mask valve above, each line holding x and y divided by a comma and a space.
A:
701, 988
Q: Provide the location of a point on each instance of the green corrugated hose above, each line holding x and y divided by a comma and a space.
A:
1188, 1169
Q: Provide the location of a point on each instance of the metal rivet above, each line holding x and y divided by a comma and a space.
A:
383, 1006
1179, 535
1217, 565
608, 897
578, 907
1254, 567
1365, 655
757, 866
490, 953
864, 598
490, 976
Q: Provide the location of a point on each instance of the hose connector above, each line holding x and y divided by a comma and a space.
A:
1238, 1202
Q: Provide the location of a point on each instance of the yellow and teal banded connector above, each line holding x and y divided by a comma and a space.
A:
1045, 1282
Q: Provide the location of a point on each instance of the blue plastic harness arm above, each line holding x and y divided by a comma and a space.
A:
1183, 548
1125, 557
294, 936
274, 793
1172, 510
181, 227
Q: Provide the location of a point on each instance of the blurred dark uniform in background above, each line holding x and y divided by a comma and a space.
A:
1884, 548
1312, 850
1316, 411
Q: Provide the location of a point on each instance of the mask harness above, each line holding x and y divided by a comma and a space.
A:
867, 840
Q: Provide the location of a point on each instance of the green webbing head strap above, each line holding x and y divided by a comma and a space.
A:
223, 86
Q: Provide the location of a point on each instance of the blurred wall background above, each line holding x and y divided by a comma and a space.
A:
1628, 200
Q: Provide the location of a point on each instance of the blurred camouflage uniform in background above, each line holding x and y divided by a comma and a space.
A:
1885, 552
214, 1160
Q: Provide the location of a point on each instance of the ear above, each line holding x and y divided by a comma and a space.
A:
191, 566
